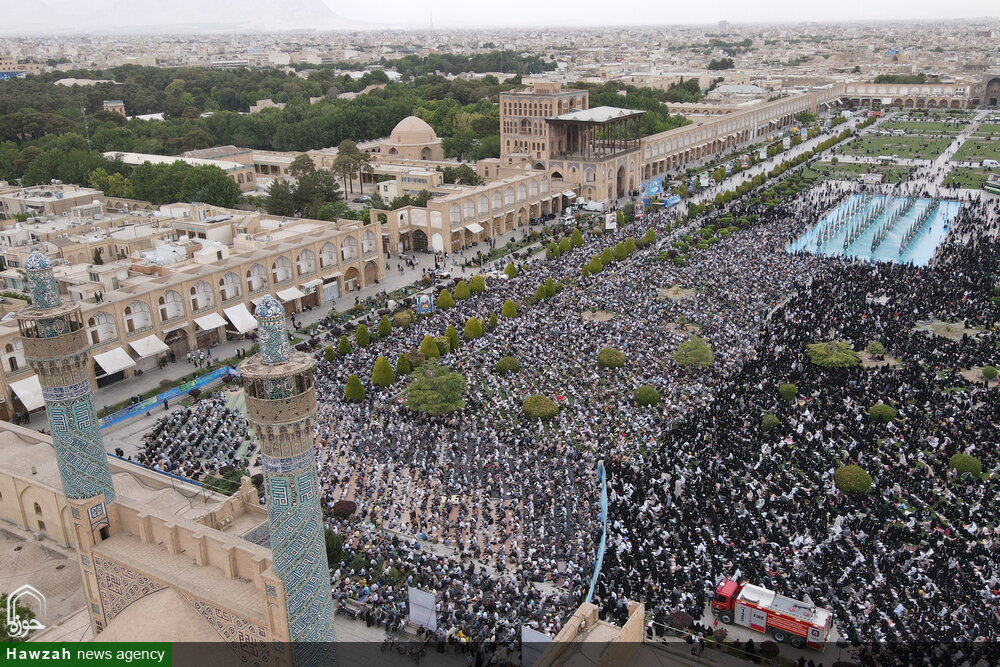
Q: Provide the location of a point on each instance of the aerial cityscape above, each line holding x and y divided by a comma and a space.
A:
534, 334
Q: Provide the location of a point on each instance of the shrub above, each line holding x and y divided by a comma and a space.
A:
451, 333
769, 649
477, 284
510, 270
646, 395
493, 320
445, 300
680, 620
343, 346
610, 358
443, 344
989, 372
694, 352
473, 328
720, 635
880, 413
414, 358
584, 272
362, 337
462, 291
384, 327
551, 251
509, 309
403, 365
354, 391
833, 354
768, 422
540, 407
550, 288
875, 349
429, 348
436, 390
852, 479
507, 365
382, 373
607, 256
564, 245
966, 465
403, 318
595, 265
540, 293
576, 238
620, 251
788, 391
329, 354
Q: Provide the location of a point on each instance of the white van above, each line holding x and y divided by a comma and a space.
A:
886, 158
991, 164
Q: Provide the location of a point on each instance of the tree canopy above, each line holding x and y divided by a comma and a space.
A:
436, 390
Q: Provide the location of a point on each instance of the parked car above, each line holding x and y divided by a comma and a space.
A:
362, 199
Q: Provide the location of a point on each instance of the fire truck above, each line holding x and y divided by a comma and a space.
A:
762, 610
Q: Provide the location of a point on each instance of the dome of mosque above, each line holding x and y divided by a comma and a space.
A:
412, 131
269, 308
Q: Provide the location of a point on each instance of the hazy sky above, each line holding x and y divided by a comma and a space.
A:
481, 13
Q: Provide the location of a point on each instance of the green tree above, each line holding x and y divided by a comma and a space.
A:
451, 333
607, 256
473, 328
98, 259
344, 346
788, 391
382, 373
23, 613
768, 422
595, 265
966, 464
445, 300
540, 407
280, 199
833, 354
510, 270
429, 348
610, 358
478, 284
362, 337
550, 288
493, 320
329, 354
509, 309
646, 395
354, 391
403, 365
880, 413
551, 251
852, 479
384, 327
334, 547
436, 390
209, 184
507, 365
564, 245
462, 291
576, 238
301, 165
875, 349
694, 352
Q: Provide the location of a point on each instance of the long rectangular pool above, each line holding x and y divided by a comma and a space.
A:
881, 228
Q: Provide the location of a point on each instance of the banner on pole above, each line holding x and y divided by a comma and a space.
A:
422, 610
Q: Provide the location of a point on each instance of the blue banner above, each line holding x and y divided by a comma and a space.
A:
672, 200
153, 401
652, 188
425, 304
602, 516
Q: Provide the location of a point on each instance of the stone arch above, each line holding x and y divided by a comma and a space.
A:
426, 153
256, 277
539, 166
497, 200
557, 175
13, 356
352, 279
306, 262
469, 208
229, 286
420, 240
522, 216
368, 242
327, 255
137, 316
454, 213
437, 242
171, 305
201, 296
484, 204
101, 328
281, 269
349, 248
371, 273
532, 188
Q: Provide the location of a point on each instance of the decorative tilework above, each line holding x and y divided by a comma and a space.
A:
119, 586
272, 592
41, 283
76, 514
85, 559
245, 637
272, 336
83, 464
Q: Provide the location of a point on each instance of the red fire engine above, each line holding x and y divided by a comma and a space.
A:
765, 611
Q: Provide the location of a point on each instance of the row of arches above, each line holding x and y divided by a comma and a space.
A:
909, 103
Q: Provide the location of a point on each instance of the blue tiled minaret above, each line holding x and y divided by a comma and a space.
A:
281, 406
56, 346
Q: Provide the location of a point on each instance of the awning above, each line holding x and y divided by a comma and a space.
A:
114, 360
210, 321
569, 193
150, 346
29, 390
175, 327
290, 294
241, 318
331, 276
312, 283
474, 227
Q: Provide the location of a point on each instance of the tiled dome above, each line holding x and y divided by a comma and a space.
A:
37, 262
269, 308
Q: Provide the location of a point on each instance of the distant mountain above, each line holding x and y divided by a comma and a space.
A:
157, 16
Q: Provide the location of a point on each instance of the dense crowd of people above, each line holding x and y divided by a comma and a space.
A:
199, 440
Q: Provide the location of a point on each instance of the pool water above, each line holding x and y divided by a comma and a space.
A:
881, 228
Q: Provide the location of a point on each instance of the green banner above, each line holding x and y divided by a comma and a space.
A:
90, 654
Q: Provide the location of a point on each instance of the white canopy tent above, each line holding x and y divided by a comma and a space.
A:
114, 360
150, 346
29, 390
241, 318
210, 321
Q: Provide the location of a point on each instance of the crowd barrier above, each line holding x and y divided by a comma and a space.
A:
151, 402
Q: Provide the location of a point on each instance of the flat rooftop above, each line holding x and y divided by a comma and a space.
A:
598, 115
